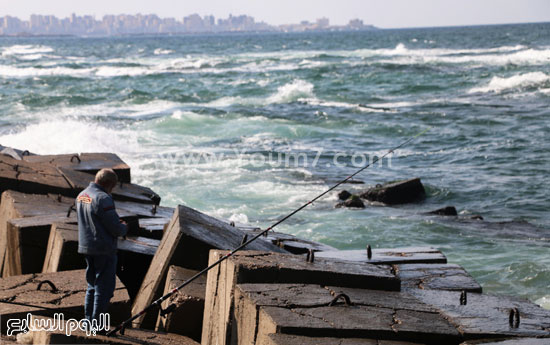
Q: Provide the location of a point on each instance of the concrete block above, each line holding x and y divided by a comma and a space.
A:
261, 267
19, 295
408, 255
436, 277
44, 178
312, 311
27, 242
286, 339
62, 251
89, 163
134, 255
18, 205
31, 177
187, 318
186, 242
130, 337
488, 316
291, 243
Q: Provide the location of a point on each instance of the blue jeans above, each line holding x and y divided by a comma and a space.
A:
101, 279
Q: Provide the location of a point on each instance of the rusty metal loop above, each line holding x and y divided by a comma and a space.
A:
245, 238
71, 208
347, 301
463, 297
310, 257
168, 310
54, 289
514, 318
77, 158
369, 251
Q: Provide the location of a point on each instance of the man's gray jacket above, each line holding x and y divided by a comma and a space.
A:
98, 223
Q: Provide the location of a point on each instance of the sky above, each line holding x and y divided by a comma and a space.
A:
381, 13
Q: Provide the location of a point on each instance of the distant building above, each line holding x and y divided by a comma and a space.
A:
152, 24
323, 23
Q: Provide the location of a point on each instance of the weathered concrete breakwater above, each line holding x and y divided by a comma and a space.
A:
283, 290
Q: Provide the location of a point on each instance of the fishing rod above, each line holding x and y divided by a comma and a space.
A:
158, 302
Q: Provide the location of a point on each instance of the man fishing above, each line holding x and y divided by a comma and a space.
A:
98, 229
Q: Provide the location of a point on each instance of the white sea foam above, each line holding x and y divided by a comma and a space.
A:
491, 56
239, 218
77, 136
263, 82
193, 119
26, 50
230, 100
102, 71
109, 71
271, 61
498, 84
160, 51
544, 302
292, 92
113, 109
336, 104
400, 54
190, 62
31, 57
25, 72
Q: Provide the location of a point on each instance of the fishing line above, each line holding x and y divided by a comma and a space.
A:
158, 302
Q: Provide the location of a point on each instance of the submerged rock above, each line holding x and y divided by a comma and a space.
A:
445, 211
399, 192
344, 195
353, 201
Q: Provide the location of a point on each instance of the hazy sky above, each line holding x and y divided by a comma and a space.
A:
382, 13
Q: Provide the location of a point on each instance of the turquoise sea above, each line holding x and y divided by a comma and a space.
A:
249, 126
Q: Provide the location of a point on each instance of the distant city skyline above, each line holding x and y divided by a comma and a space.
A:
126, 24
383, 14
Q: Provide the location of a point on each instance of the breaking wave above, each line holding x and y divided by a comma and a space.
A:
498, 84
25, 50
78, 136
292, 92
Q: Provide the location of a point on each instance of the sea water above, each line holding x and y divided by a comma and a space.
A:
250, 126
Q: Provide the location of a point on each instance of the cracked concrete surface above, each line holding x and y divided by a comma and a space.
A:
19, 296
374, 314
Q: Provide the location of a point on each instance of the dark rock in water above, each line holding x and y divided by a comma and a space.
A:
445, 211
354, 201
354, 182
399, 192
344, 195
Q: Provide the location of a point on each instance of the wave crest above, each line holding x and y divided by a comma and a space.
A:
292, 92
20, 49
498, 84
